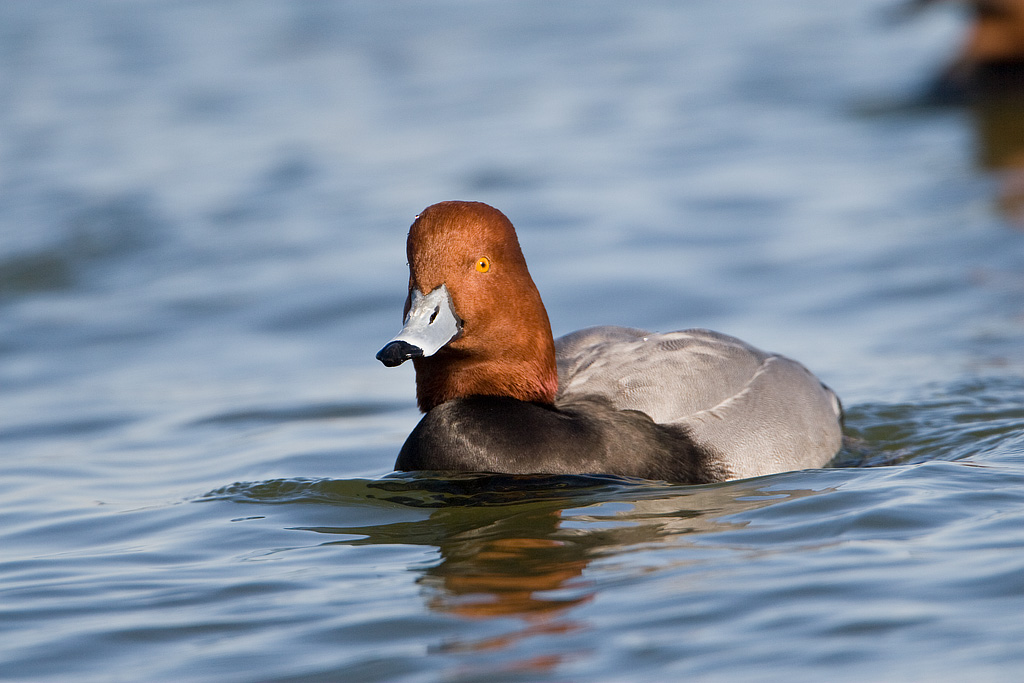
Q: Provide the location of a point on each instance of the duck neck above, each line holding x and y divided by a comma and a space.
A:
526, 372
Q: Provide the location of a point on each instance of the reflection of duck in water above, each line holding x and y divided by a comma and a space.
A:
988, 75
530, 563
1000, 126
515, 554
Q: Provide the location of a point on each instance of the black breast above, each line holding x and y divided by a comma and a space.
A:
585, 436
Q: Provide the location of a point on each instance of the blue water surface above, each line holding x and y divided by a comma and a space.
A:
203, 209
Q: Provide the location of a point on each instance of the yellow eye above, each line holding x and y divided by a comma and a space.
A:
483, 264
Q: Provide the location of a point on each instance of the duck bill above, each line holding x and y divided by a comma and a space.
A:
430, 324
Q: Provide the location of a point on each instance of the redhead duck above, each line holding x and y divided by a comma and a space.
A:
996, 33
990, 62
501, 395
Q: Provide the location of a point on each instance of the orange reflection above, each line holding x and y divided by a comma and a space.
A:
508, 577
536, 579
519, 569
1000, 125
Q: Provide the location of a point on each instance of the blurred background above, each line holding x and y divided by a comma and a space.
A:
204, 204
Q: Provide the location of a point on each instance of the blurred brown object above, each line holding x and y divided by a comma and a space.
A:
987, 76
996, 33
990, 60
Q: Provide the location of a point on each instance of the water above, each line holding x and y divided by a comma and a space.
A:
202, 217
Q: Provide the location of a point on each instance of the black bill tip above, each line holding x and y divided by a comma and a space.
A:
397, 352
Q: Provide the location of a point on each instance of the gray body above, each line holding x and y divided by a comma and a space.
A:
753, 413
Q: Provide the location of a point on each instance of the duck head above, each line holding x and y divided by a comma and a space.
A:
996, 32
474, 320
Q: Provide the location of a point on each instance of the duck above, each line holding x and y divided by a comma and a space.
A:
500, 395
989, 65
